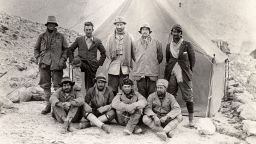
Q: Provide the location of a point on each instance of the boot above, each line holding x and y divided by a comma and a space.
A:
191, 119
105, 128
47, 109
162, 135
137, 130
190, 107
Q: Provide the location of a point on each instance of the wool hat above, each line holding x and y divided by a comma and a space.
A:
127, 81
145, 25
162, 82
176, 27
67, 79
119, 19
51, 19
101, 77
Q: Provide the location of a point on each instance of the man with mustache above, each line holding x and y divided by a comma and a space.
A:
162, 113
120, 46
148, 56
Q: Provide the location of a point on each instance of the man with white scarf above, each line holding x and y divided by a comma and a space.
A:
180, 58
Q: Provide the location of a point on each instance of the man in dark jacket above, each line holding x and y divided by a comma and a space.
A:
97, 108
67, 104
87, 51
129, 107
180, 58
50, 52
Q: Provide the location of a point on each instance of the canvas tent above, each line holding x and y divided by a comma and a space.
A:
209, 71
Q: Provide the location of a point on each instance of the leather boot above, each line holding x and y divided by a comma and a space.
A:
47, 109
191, 119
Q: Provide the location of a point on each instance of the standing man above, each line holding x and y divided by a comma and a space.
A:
129, 107
51, 53
162, 113
98, 104
180, 58
148, 56
67, 104
87, 51
120, 45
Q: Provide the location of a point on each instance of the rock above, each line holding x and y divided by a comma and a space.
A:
21, 67
6, 103
20, 95
235, 105
242, 97
248, 111
249, 127
32, 73
251, 140
205, 126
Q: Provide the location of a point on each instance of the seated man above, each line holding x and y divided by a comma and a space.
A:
129, 107
97, 108
67, 104
162, 113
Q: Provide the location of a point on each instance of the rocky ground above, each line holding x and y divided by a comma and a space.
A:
22, 123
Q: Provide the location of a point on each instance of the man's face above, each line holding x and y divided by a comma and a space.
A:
145, 32
66, 87
120, 27
127, 89
160, 90
100, 85
51, 26
176, 34
88, 31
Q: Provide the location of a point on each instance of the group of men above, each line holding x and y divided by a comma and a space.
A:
104, 101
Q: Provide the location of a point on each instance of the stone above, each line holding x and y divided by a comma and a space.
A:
235, 105
205, 126
242, 97
251, 140
249, 127
247, 111
6, 103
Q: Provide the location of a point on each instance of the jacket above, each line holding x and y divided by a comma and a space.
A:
186, 60
75, 97
51, 49
169, 106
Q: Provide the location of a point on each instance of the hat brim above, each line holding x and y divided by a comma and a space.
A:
70, 82
51, 22
119, 22
149, 31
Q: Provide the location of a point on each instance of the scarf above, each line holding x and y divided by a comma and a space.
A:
175, 49
99, 97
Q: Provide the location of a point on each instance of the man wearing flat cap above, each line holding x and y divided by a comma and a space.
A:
50, 52
129, 106
120, 47
162, 113
97, 108
67, 104
88, 45
148, 55
180, 58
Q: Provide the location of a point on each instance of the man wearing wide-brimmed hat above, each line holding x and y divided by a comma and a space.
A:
67, 104
119, 46
88, 45
148, 56
98, 100
180, 58
162, 113
50, 52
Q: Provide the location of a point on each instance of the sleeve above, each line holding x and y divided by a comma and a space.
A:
175, 108
64, 49
167, 54
79, 101
142, 102
118, 105
37, 47
148, 110
102, 53
108, 50
133, 49
191, 56
111, 96
55, 97
159, 52
71, 50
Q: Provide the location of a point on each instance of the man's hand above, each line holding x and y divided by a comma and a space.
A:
103, 109
131, 108
163, 119
66, 105
157, 120
59, 104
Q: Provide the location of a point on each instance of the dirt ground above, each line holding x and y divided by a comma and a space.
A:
25, 125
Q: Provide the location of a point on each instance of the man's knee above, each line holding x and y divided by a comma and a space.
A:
110, 115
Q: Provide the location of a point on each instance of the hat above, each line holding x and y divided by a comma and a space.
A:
162, 82
127, 81
76, 62
101, 77
119, 19
176, 27
66, 79
51, 19
145, 25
